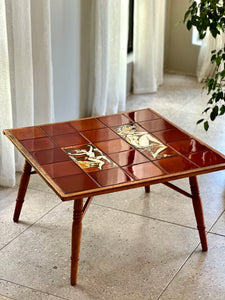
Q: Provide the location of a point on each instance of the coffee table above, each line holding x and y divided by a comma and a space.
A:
99, 155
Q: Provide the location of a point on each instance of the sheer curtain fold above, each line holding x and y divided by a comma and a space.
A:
108, 56
27, 61
149, 27
204, 67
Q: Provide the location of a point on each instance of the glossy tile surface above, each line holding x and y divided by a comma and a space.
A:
76, 183
113, 146
57, 129
142, 115
110, 177
38, 144
207, 158
71, 139
143, 171
175, 164
87, 124
126, 158
99, 135
188, 146
97, 152
171, 135
50, 156
28, 133
115, 120
156, 125
62, 169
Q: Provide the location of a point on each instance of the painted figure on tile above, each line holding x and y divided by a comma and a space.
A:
89, 157
141, 139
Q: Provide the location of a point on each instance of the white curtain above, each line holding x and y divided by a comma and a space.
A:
107, 92
149, 28
25, 74
204, 67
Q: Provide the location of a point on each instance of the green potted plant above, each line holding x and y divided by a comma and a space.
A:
210, 15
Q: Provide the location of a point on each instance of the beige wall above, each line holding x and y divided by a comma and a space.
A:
180, 55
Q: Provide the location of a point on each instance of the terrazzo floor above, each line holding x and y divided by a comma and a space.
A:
134, 245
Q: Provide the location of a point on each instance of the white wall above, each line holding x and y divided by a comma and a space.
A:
65, 23
180, 55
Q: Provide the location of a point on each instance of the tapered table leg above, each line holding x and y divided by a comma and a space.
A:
76, 238
147, 189
197, 204
22, 190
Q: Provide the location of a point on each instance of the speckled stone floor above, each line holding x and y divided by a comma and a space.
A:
134, 245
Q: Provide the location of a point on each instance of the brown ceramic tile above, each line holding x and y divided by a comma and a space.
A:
188, 146
62, 169
142, 115
168, 152
156, 125
99, 135
175, 164
89, 158
86, 124
57, 129
50, 156
110, 177
113, 146
145, 170
206, 158
38, 144
70, 139
28, 133
115, 120
172, 135
76, 183
128, 158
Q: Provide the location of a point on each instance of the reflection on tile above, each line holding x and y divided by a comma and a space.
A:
175, 164
99, 135
142, 115
207, 158
86, 124
128, 158
76, 183
156, 125
115, 120
50, 156
28, 133
113, 146
71, 139
57, 129
110, 177
171, 135
62, 169
89, 158
38, 144
188, 146
145, 170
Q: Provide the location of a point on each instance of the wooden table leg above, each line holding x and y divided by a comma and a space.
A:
197, 204
147, 189
22, 190
76, 238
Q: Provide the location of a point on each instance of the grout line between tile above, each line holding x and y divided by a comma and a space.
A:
175, 275
30, 288
30, 226
147, 217
216, 222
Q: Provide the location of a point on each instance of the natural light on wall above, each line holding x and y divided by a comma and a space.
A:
195, 36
